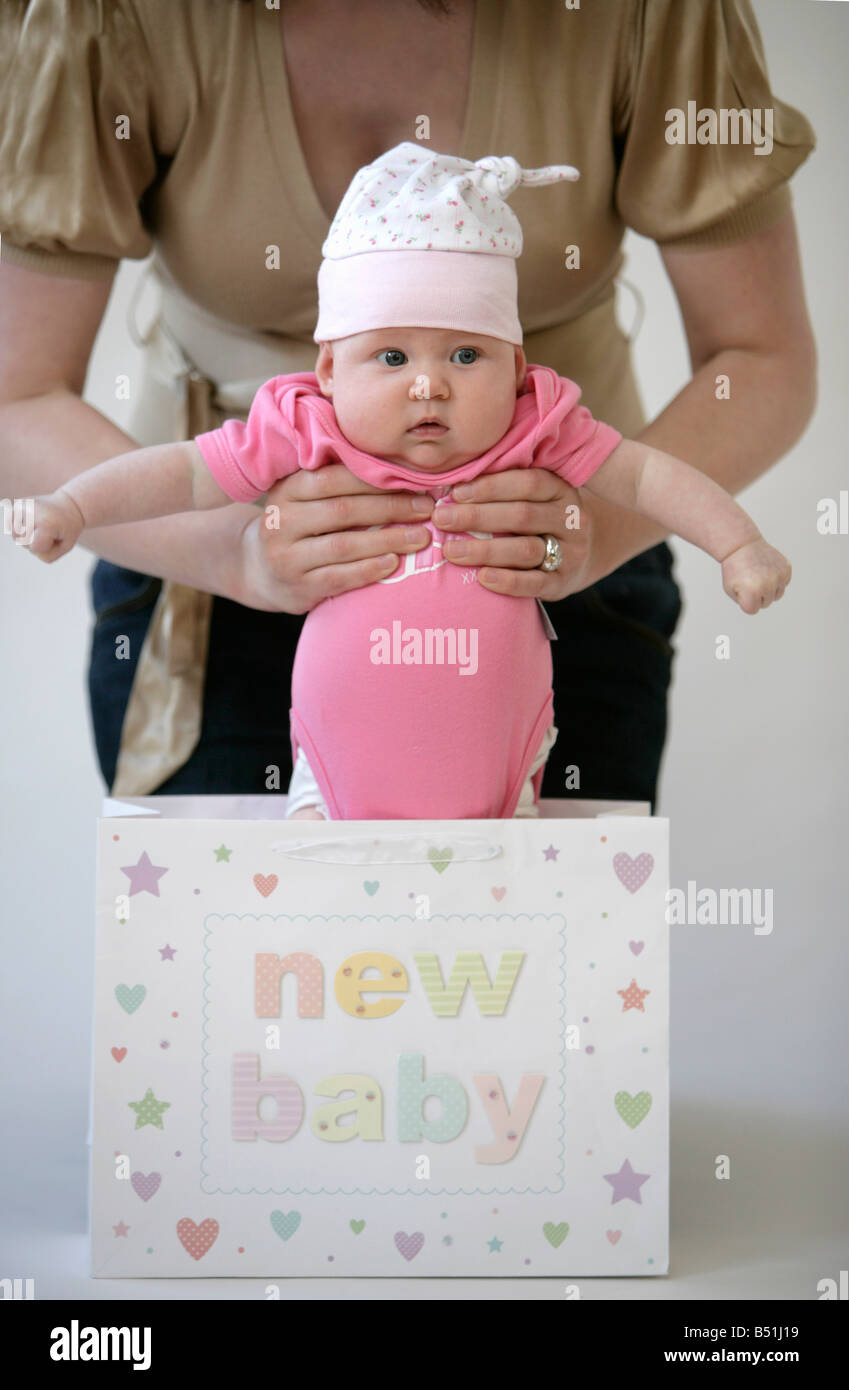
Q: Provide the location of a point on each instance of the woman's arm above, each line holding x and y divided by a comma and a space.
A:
744, 312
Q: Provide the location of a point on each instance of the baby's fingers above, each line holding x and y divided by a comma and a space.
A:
47, 545
753, 594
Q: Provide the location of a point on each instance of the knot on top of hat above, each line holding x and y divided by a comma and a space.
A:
499, 174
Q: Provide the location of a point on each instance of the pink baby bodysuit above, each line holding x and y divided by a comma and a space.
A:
425, 695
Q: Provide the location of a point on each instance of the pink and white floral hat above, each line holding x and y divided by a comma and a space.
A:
453, 239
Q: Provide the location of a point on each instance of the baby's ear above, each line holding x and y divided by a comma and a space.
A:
521, 367
324, 368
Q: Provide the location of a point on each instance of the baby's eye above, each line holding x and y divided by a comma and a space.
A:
467, 361
396, 354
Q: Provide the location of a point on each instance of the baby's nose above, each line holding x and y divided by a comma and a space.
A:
424, 388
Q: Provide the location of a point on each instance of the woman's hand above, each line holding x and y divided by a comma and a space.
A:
313, 553
526, 503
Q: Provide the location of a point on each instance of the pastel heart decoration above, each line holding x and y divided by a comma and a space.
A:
636, 946
555, 1235
409, 1246
632, 873
285, 1223
632, 1109
357, 1226
119, 1053
498, 893
613, 1236
265, 883
145, 1185
196, 1240
130, 999
440, 859
371, 886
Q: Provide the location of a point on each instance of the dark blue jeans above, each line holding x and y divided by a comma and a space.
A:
612, 669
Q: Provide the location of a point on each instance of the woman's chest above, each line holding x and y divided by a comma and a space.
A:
365, 77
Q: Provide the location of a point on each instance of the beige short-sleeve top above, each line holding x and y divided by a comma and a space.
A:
136, 124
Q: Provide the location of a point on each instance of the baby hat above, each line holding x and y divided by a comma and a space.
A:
424, 240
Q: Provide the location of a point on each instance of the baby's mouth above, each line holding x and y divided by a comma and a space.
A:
428, 429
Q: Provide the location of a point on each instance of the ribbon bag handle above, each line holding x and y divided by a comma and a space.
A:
439, 851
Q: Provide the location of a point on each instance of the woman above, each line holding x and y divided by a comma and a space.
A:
221, 136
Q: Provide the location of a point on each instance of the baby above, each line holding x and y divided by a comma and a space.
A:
423, 696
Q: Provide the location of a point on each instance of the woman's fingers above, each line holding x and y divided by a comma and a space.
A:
346, 547
336, 514
313, 503
518, 508
275, 586
330, 580
315, 523
519, 552
535, 583
335, 483
532, 501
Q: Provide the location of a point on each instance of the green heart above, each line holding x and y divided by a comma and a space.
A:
285, 1223
440, 859
357, 1226
130, 999
555, 1235
371, 886
632, 1109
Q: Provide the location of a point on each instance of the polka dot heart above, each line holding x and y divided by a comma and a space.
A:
197, 1240
632, 873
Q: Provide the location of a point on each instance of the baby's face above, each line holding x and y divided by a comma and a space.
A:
382, 383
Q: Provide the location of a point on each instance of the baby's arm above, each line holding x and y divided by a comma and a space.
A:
136, 486
693, 506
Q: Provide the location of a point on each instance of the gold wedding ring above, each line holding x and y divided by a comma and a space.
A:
553, 558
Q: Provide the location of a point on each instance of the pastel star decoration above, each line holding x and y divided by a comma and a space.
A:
222, 853
626, 1183
495, 1244
551, 852
120, 1229
633, 997
149, 1110
167, 952
144, 876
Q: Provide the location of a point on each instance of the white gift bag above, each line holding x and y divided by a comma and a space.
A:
379, 1047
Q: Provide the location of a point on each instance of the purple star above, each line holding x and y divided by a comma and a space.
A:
166, 952
144, 876
551, 852
626, 1183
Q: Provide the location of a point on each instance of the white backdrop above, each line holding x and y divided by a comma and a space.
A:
753, 781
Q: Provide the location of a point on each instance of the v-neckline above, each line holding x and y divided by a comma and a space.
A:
283, 131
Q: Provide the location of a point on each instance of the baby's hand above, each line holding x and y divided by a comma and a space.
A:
57, 524
755, 575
